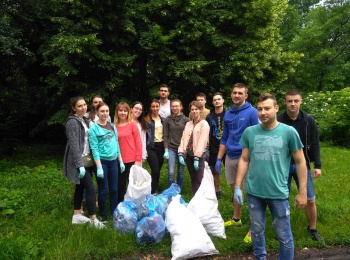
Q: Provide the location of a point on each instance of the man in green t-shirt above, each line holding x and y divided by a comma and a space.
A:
266, 154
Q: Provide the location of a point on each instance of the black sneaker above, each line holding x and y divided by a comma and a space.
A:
314, 234
104, 220
217, 194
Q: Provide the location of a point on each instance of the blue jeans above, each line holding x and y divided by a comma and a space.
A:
110, 180
310, 184
173, 159
281, 221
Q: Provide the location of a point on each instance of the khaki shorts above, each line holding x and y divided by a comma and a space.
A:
231, 166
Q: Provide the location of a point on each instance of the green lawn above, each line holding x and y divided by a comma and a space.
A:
36, 205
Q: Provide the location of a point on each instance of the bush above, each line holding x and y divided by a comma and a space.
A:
331, 111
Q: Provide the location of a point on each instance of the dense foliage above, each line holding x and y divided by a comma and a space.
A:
52, 50
332, 113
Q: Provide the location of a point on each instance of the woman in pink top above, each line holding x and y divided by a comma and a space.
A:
194, 140
129, 143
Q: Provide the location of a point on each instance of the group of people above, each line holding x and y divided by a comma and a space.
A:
261, 151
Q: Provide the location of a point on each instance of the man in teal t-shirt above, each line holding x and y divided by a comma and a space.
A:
266, 155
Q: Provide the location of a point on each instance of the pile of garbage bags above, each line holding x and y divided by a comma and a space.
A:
151, 217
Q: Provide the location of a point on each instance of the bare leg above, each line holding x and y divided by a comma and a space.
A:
216, 176
311, 213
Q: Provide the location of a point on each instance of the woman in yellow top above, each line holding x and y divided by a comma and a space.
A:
154, 143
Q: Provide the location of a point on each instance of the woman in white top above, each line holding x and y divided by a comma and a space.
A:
137, 116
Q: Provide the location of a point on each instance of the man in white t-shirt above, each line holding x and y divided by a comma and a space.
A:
164, 109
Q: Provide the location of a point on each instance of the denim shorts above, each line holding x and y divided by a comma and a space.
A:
310, 183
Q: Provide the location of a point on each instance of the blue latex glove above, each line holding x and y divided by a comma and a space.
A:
182, 160
238, 195
166, 154
218, 165
122, 166
196, 165
99, 172
81, 172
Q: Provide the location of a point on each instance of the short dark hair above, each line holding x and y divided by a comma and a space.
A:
266, 96
164, 86
218, 94
241, 85
200, 94
292, 92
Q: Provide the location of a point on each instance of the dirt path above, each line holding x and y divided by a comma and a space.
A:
333, 253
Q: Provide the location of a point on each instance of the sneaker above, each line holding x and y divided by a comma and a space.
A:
103, 219
231, 222
314, 234
217, 195
79, 219
248, 238
97, 224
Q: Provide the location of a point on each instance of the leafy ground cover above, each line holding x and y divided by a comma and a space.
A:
36, 209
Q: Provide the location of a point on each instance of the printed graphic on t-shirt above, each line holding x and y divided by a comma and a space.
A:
216, 124
267, 148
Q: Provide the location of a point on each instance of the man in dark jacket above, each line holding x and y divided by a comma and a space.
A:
306, 127
215, 121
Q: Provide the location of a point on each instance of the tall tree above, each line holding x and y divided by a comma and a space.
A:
125, 49
324, 42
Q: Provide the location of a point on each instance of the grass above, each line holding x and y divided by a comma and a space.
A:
36, 208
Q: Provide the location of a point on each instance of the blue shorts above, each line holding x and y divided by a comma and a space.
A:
309, 185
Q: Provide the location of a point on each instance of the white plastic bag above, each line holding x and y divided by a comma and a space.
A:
204, 205
188, 235
139, 184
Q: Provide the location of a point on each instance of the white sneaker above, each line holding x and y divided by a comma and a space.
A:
79, 219
97, 224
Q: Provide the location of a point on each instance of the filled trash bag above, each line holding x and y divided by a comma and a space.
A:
204, 205
125, 217
171, 192
153, 203
139, 184
150, 229
188, 236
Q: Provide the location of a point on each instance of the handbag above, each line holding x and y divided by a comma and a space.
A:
88, 161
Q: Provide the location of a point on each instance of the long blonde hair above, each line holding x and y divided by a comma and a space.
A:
122, 105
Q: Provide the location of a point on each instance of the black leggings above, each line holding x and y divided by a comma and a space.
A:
123, 179
87, 184
155, 160
196, 176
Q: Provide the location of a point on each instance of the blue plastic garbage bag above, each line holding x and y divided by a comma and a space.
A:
171, 192
150, 229
125, 217
153, 203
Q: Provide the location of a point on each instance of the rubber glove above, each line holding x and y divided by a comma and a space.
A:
238, 195
196, 164
99, 171
81, 172
166, 154
218, 165
182, 160
122, 166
